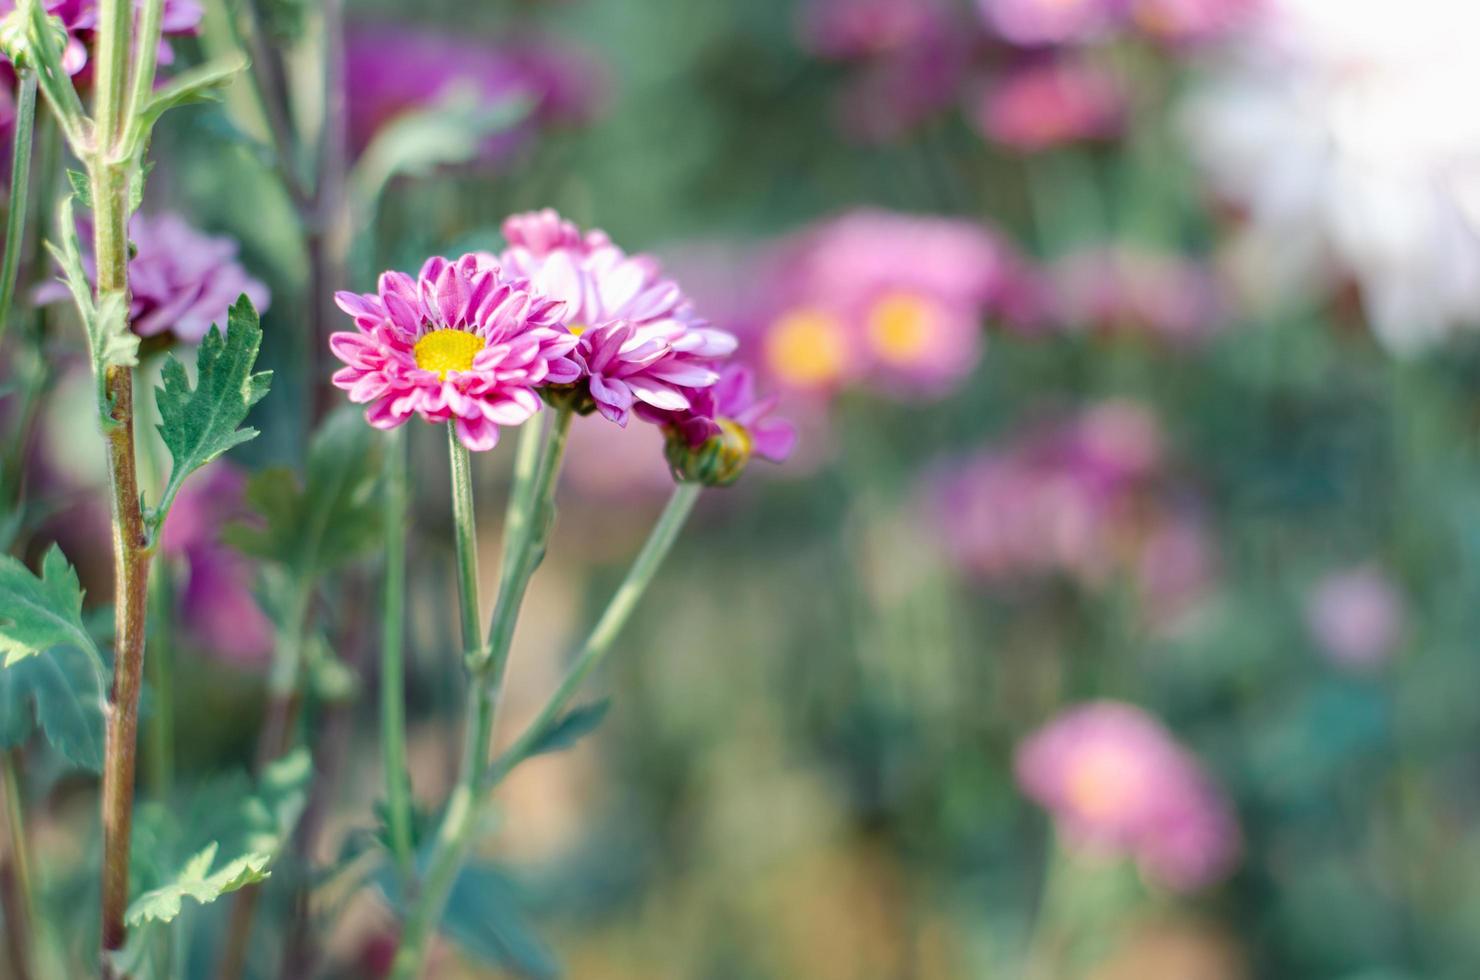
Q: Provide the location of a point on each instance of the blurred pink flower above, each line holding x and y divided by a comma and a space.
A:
459, 343
1356, 617
1113, 289
217, 609
896, 93
1044, 105
866, 28
1191, 21
392, 70
640, 340
889, 298
182, 280
1044, 22
80, 19
1117, 783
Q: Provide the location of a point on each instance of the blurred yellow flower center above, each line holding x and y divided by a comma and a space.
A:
807, 348
900, 327
577, 328
447, 350
1103, 781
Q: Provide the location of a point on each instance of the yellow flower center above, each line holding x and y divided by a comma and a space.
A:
901, 326
447, 350
807, 348
1103, 781
577, 328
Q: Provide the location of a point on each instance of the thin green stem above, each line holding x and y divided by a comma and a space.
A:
20, 186
613, 618
392, 661
516, 515
110, 105
15, 875
161, 668
146, 54
465, 535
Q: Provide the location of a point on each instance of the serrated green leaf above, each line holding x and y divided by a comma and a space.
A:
200, 423
39, 613
62, 690
196, 881
333, 516
109, 339
571, 727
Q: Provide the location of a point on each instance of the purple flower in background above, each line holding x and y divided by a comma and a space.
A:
1050, 104
640, 341
80, 18
1046, 22
459, 343
392, 70
1117, 289
1192, 21
216, 606
1117, 783
881, 296
1356, 617
846, 29
898, 92
182, 279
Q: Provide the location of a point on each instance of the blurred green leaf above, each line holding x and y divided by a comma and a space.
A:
200, 84
571, 727
200, 423
62, 691
332, 517
484, 917
196, 881
37, 613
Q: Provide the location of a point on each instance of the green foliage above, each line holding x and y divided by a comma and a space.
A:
62, 690
109, 339
37, 613
484, 917
332, 516
200, 423
196, 881
571, 727
200, 84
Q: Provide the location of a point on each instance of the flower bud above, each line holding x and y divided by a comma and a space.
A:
15, 36
575, 396
716, 462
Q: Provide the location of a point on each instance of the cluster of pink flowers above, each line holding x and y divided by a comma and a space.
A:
562, 315
893, 300
393, 70
182, 280
1118, 784
1087, 498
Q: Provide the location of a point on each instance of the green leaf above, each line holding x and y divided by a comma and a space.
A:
109, 339
200, 423
484, 917
39, 613
63, 691
81, 189
571, 727
200, 84
330, 518
196, 881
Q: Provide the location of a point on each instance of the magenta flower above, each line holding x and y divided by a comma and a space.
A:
1191, 21
1356, 617
1050, 104
182, 279
1045, 22
846, 29
888, 298
458, 343
216, 606
1117, 783
639, 339
80, 18
392, 70
732, 404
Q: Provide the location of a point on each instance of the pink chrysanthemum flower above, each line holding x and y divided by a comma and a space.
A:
459, 343
1046, 105
639, 339
1117, 783
181, 280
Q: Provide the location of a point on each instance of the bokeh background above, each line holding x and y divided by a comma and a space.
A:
1115, 616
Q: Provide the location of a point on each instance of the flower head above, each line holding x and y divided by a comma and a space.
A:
460, 343
181, 279
723, 428
1117, 782
1046, 105
639, 341
1356, 617
866, 28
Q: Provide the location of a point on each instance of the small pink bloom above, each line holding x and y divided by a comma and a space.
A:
640, 342
1356, 617
1192, 21
1046, 105
459, 343
1045, 22
733, 402
865, 28
1117, 783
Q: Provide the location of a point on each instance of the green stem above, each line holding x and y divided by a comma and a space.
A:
465, 534
146, 54
161, 679
392, 662
15, 875
110, 95
20, 185
615, 616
